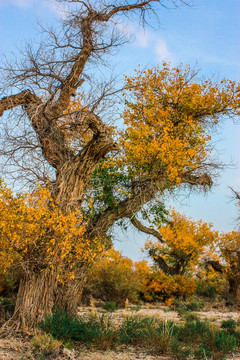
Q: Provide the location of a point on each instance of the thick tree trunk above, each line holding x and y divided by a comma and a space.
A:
35, 299
69, 296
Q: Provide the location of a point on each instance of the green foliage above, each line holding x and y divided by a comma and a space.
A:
193, 304
157, 212
202, 341
194, 337
63, 326
8, 304
135, 330
230, 326
92, 330
211, 286
110, 306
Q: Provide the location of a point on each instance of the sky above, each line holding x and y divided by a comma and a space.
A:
206, 35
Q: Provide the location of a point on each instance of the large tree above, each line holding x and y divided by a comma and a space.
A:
69, 144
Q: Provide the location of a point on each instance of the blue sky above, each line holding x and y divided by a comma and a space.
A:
206, 34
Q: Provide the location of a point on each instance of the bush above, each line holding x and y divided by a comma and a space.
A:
211, 285
159, 286
202, 341
135, 330
45, 344
110, 306
196, 338
7, 306
113, 279
92, 330
193, 304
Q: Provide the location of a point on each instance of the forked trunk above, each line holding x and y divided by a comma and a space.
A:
35, 299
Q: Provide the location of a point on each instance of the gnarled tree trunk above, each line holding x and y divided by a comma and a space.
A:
35, 299
69, 295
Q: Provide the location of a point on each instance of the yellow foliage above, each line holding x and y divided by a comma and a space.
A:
36, 235
113, 278
185, 241
168, 120
155, 285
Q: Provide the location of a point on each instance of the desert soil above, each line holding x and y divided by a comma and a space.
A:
19, 349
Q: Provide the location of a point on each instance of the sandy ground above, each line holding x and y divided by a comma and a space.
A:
19, 349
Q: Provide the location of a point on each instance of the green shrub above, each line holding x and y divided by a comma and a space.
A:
193, 304
8, 304
211, 285
194, 338
63, 326
94, 330
110, 306
135, 329
202, 341
230, 326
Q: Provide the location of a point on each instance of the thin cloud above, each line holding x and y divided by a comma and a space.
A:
161, 50
24, 4
146, 39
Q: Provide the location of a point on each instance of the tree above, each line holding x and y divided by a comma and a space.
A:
224, 256
168, 118
184, 242
42, 245
225, 259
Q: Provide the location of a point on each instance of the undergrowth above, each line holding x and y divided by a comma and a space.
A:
196, 338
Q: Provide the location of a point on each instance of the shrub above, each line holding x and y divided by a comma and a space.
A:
159, 286
110, 306
202, 341
193, 304
194, 337
92, 330
113, 279
45, 344
135, 329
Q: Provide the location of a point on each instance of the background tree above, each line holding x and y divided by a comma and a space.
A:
225, 259
224, 256
184, 242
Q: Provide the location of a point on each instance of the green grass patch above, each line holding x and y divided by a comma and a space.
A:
195, 338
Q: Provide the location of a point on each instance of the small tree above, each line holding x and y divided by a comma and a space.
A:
225, 259
183, 243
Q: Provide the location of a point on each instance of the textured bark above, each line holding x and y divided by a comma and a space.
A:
145, 192
60, 78
69, 295
100, 225
74, 176
35, 299
146, 229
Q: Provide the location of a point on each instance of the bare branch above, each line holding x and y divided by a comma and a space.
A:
146, 229
22, 99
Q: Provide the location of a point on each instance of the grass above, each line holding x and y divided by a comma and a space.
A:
196, 338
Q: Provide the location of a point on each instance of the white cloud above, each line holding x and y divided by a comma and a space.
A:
148, 40
161, 49
142, 39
